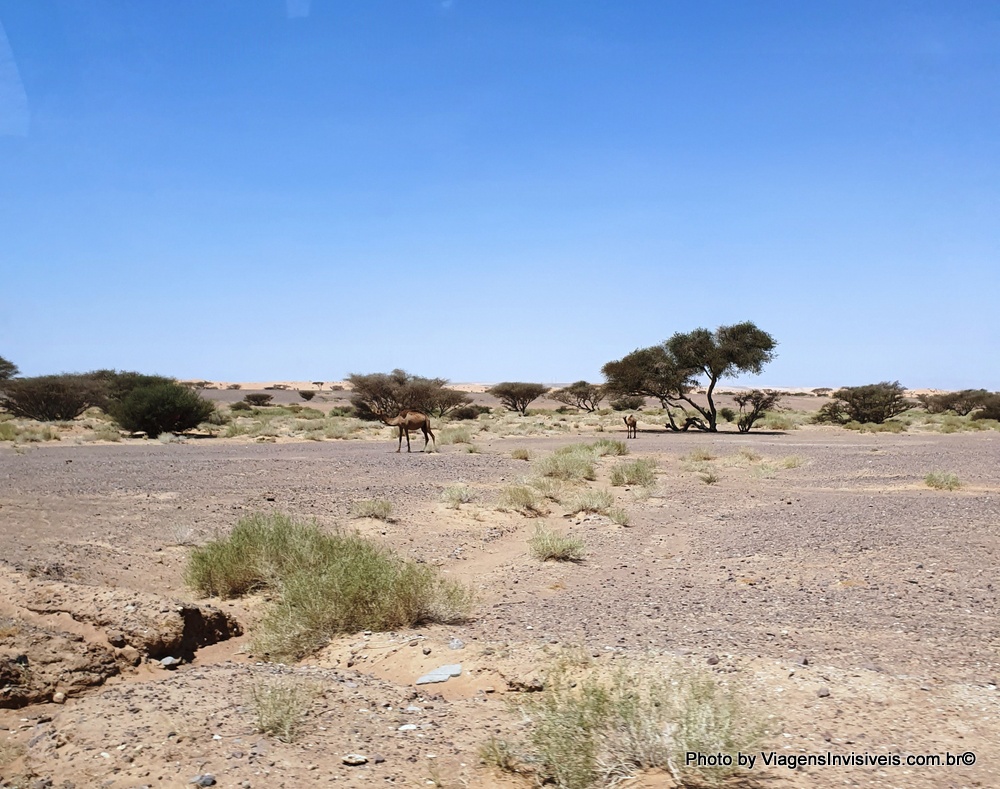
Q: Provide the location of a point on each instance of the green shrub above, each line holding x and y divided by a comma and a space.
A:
753, 405
547, 545
727, 413
306, 394
161, 408
872, 403
241, 406
51, 398
574, 463
637, 472
941, 480
962, 403
619, 516
325, 584
628, 403
466, 412
258, 400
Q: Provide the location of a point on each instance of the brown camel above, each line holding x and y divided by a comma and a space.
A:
630, 423
410, 420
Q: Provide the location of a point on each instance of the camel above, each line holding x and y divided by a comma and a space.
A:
410, 420
630, 423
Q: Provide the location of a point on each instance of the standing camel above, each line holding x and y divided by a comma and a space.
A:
410, 420
630, 423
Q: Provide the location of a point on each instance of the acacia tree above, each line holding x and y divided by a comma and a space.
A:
752, 405
582, 395
873, 403
386, 394
670, 370
7, 369
517, 395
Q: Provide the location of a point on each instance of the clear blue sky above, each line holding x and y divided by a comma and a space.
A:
490, 190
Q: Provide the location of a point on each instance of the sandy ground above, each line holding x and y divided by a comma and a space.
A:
855, 606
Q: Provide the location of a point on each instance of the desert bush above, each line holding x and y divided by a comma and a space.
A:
522, 499
457, 495
709, 476
941, 480
161, 408
51, 398
989, 408
872, 403
752, 406
573, 463
628, 403
306, 394
727, 413
774, 421
259, 400
601, 727
597, 501
962, 403
379, 509
549, 488
547, 545
609, 446
241, 406
832, 413
234, 387
619, 516
641, 471
280, 705
466, 412
326, 584
520, 454
455, 435
8, 431
517, 395
699, 455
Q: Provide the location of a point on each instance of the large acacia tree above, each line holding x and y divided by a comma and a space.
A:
671, 370
386, 394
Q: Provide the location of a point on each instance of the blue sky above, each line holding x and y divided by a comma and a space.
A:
486, 191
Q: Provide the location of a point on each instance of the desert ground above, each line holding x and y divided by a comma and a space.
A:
811, 567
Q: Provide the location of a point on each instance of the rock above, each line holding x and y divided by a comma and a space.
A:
130, 655
170, 662
407, 727
206, 779
442, 674
354, 759
59, 697
456, 643
823, 692
713, 660
427, 650
116, 638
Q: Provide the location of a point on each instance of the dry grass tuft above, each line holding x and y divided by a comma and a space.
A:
942, 480
548, 545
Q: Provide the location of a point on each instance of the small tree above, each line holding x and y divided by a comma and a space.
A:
582, 395
990, 407
7, 369
161, 408
873, 403
752, 405
51, 398
628, 403
306, 394
258, 399
119, 384
517, 395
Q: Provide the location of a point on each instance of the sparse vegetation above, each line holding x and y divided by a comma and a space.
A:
280, 706
699, 455
609, 446
942, 480
752, 406
326, 583
456, 435
641, 471
628, 403
547, 545
379, 509
574, 463
599, 501
599, 728
522, 499
709, 476
520, 454
258, 400
457, 495
620, 516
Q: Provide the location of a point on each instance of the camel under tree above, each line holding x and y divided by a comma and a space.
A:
410, 420
630, 426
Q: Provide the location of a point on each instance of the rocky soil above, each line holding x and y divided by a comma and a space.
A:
856, 606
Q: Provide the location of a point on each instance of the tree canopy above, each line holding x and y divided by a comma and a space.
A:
669, 371
386, 394
517, 395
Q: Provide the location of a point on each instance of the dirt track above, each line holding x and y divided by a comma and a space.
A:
856, 604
